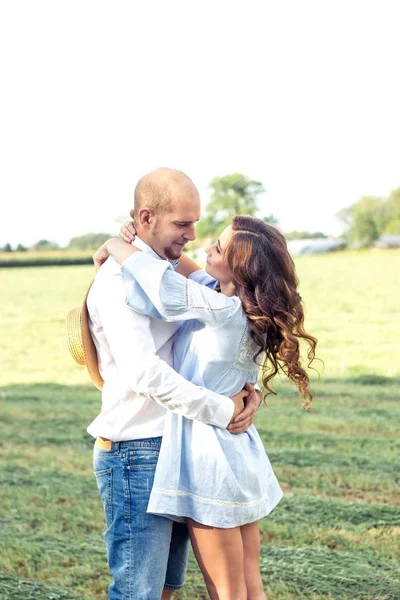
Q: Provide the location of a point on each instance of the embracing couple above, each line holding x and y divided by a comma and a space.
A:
180, 350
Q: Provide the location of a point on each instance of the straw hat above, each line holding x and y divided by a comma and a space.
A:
80, 342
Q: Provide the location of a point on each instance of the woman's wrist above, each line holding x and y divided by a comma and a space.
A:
119, 249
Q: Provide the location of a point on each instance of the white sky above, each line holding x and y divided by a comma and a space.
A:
301, 95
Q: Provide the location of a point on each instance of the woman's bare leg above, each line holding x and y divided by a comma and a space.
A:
219, 553
251, 560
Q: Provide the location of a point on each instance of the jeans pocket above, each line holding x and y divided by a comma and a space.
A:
104, 484
143, 458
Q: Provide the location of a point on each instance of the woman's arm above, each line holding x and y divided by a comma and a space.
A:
154, 288
116, 248
187, 266
174, 296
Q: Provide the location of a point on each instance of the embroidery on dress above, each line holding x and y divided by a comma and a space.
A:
247, 350
216, 501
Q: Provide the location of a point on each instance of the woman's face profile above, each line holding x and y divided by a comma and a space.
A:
216, 264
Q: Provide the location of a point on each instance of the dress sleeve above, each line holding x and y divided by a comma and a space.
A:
150, 282
131, 344
204, 278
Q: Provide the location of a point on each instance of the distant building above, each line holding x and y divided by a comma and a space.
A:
388, 241
315, 246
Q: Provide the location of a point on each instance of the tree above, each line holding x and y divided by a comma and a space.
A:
391, 213
90, 241
7, 248
369, 218
304, 235
43, 245
270, 219
21, 248
363, 220
230, 195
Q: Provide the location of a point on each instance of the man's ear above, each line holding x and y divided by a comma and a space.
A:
145, 217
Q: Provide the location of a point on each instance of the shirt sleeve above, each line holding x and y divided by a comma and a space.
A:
172, 296
132, 345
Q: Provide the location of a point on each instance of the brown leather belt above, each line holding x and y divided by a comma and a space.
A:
103, 443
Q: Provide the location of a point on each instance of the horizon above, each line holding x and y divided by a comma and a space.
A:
334, 230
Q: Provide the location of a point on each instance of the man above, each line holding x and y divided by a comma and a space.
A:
146, 553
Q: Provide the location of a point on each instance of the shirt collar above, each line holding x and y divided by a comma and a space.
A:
143, 246
146, 248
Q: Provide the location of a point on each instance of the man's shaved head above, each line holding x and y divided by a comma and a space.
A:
167, 207
156, 190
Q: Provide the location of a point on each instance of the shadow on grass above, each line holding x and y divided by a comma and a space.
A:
50, 391
370, 379
48, 413
14, 588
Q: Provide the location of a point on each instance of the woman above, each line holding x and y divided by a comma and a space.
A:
222, 484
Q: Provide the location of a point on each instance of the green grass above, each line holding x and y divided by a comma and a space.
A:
45, 258
336, 533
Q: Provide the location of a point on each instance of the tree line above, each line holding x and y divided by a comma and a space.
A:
89, 241
363, 222
367, 220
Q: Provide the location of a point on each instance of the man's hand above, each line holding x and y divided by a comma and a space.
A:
128, 232
242, 421
238, 401
100, 256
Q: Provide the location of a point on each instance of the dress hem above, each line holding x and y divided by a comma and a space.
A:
227, 518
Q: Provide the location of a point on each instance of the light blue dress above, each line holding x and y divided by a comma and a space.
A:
203, 472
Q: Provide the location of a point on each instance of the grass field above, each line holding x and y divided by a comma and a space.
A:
336, 534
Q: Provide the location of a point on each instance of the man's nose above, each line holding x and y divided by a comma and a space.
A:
190, 233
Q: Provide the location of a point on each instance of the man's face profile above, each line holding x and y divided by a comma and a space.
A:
173, 230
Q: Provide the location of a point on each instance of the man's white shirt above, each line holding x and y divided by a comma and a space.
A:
135, 361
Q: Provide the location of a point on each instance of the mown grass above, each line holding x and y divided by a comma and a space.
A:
336, 532
335, 535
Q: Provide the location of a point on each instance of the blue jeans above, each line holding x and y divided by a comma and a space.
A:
146, 553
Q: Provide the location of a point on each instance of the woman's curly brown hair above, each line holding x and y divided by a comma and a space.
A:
266, 283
